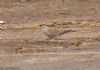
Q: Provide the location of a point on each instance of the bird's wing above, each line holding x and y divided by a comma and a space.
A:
55, 31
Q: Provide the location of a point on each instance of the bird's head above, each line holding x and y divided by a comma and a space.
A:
45, 28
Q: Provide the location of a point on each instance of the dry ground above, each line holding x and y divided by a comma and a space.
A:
30, 38
24, 46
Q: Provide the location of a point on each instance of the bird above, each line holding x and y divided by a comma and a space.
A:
54, 32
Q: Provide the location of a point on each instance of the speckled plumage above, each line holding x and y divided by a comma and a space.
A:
54, 32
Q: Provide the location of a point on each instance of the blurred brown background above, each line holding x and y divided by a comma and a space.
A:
15, 11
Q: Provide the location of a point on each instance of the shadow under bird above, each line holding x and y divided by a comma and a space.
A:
55, 32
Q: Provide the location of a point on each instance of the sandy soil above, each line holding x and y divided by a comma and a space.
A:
23, 46
26, 48
30, 38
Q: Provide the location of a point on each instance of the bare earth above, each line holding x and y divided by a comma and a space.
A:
23, 45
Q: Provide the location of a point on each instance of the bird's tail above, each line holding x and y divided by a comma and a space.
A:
72, 29
67, 31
